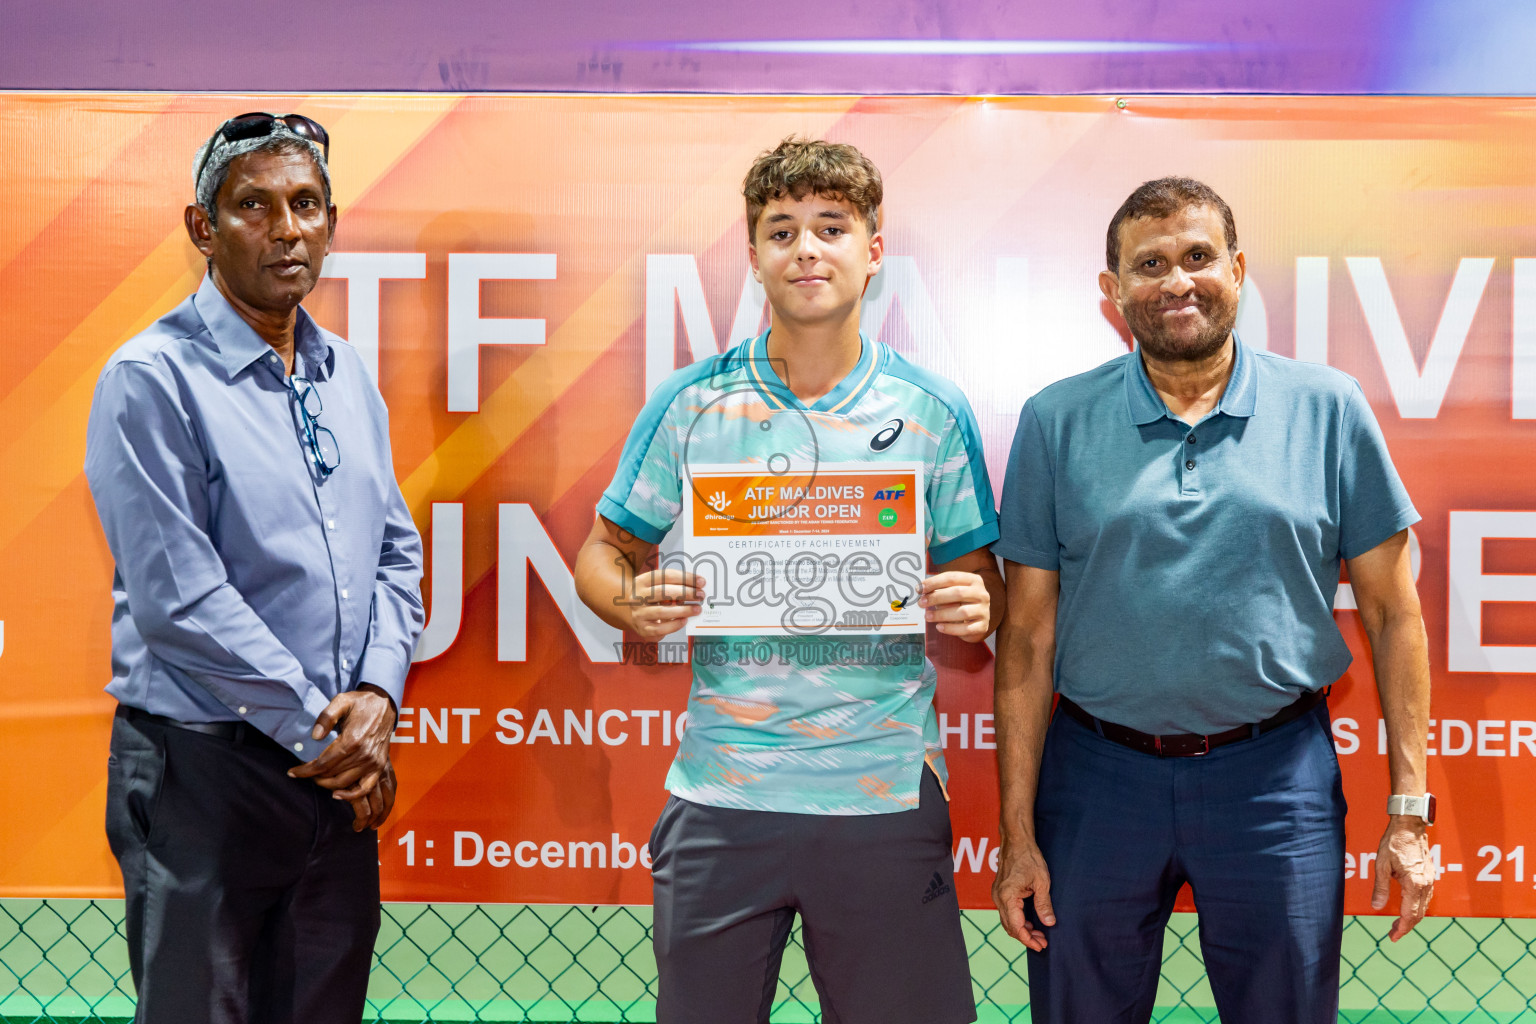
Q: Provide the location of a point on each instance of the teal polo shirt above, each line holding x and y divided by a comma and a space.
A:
1198, 563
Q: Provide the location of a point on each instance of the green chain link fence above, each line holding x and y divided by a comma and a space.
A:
65, 960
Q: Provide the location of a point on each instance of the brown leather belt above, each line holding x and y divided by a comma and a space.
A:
1187, 744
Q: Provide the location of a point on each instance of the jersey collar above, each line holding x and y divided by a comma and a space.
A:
839, 400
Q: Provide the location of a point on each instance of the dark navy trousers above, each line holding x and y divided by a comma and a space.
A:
249, 899
1256, 829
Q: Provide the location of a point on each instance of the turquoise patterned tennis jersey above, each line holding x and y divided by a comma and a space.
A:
829, 724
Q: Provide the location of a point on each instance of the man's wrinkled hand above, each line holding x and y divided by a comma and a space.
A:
1021, 873
1404, 855
354, 764
372, 808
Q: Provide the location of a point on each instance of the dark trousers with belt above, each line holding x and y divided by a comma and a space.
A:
250, 900
1256, 829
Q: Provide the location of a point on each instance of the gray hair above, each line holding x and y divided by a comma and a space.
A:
281, 140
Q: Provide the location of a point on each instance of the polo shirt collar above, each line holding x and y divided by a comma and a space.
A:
1242, 394
239, 345
1239, 400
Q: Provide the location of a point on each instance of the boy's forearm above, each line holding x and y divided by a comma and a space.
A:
604, 580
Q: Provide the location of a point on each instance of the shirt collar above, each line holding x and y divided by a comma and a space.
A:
841, 398
239, 345
1239, 400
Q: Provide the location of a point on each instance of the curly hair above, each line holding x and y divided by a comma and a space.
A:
800, 167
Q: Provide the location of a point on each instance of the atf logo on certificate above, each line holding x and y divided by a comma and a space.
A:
836, 548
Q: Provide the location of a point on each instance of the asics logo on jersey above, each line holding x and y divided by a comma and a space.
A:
886, 435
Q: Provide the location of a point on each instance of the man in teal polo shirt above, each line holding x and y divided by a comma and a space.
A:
1172, 528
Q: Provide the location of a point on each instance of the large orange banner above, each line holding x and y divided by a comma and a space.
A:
522, 269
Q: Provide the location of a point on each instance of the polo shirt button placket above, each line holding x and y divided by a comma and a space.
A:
1187, 483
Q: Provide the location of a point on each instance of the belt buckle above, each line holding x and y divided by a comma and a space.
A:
1157, 747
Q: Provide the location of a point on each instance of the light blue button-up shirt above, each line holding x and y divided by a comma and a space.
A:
1198, 563
247, 586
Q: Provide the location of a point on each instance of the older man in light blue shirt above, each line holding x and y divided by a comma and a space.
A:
249, 587
266, 607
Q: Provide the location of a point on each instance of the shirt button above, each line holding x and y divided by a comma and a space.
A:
330, 524
1190, 464
272, 358
242, 711
1191, 438
344, 593
343, 662
298, 747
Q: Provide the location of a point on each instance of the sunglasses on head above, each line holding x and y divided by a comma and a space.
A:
259, 124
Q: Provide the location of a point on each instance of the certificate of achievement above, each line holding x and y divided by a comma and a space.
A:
825, 550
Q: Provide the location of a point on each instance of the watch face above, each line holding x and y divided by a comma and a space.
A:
1429, 810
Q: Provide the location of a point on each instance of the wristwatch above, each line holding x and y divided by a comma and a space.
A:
1413, 806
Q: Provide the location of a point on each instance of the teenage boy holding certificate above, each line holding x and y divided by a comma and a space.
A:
812, 780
